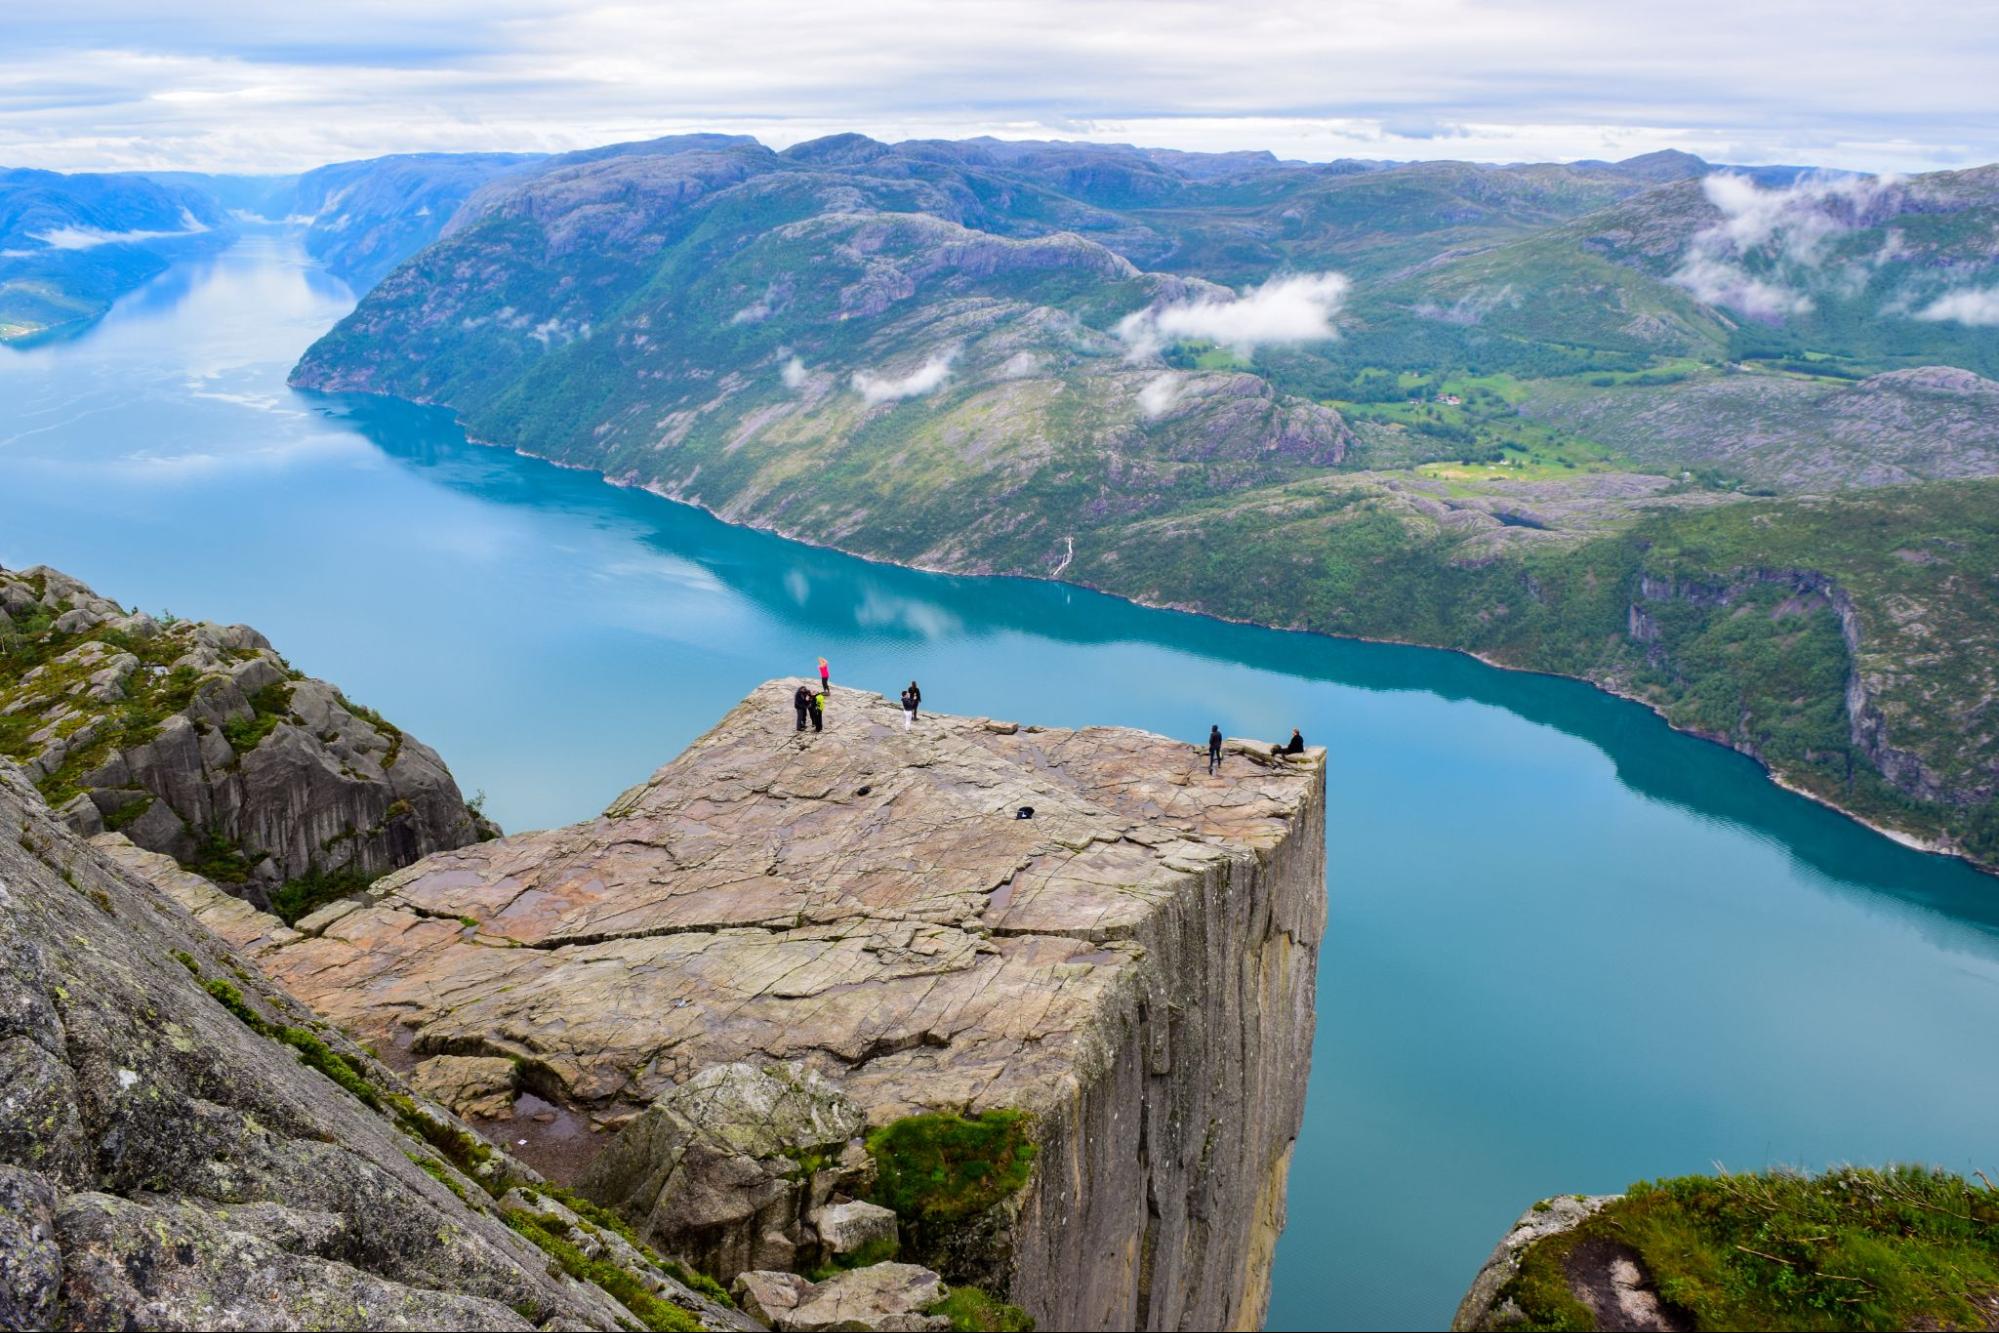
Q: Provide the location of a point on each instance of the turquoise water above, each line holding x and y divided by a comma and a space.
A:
1568, 948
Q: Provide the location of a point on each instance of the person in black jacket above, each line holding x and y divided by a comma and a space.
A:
909, 701
1296, 745
1214, 748
916, 699
801, 702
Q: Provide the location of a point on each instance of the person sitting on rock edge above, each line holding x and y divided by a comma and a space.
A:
1296, 745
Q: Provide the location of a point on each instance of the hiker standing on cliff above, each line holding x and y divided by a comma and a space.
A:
915, 698
1214, 749
801, 702
825, 677
909, 702
819, 711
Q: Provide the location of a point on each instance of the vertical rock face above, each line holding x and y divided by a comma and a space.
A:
200, 742
184, 1146
1132, 966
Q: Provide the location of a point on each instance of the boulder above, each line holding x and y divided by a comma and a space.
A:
855, 1227
472, 1085
880, 1296
766, 1294
717, 1171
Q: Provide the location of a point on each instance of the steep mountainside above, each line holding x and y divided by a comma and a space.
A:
201, 742
184, 1146
70, 245
1023, 359
364, 218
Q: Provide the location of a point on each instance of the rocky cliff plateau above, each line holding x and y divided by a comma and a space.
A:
790, 965
199, 741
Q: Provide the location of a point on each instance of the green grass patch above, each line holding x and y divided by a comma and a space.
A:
306, 894
318, 1055
230, 998
1905, 1247
972, 1310
442, 1174
623, 1287
268, 706
128, 814
216, 858
944, 1167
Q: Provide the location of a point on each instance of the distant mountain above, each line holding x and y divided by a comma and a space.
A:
70, 245
1856, 269
364, 218
1526, 410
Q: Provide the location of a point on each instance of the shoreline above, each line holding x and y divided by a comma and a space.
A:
1910, 841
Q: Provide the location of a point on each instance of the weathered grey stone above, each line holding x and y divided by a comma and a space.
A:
887, 1296
165, 1163
848, 1228
30, 1259
765, 1294
712, 1169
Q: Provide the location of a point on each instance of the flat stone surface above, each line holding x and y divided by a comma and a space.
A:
863, 899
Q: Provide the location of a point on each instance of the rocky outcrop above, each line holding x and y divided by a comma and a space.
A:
724, 1169
866, 924
200, 742
1486, 1305
182, 1145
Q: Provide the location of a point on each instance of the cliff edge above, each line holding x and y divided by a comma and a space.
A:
860, 926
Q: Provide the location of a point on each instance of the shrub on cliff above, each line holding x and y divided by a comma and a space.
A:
944, 1167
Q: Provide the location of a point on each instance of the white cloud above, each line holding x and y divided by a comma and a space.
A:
1718, 282
1976, 307
1785, 232
1294, 309
1020, 365
926, 378
794, 374
1159, 395
237, 85
89, 238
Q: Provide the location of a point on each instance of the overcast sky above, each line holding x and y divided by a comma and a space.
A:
224, 85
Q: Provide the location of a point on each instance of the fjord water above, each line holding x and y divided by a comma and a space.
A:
1567, 949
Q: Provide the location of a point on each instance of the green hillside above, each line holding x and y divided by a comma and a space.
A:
1559, 417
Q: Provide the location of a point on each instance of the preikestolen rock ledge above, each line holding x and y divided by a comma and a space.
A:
807, 1002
